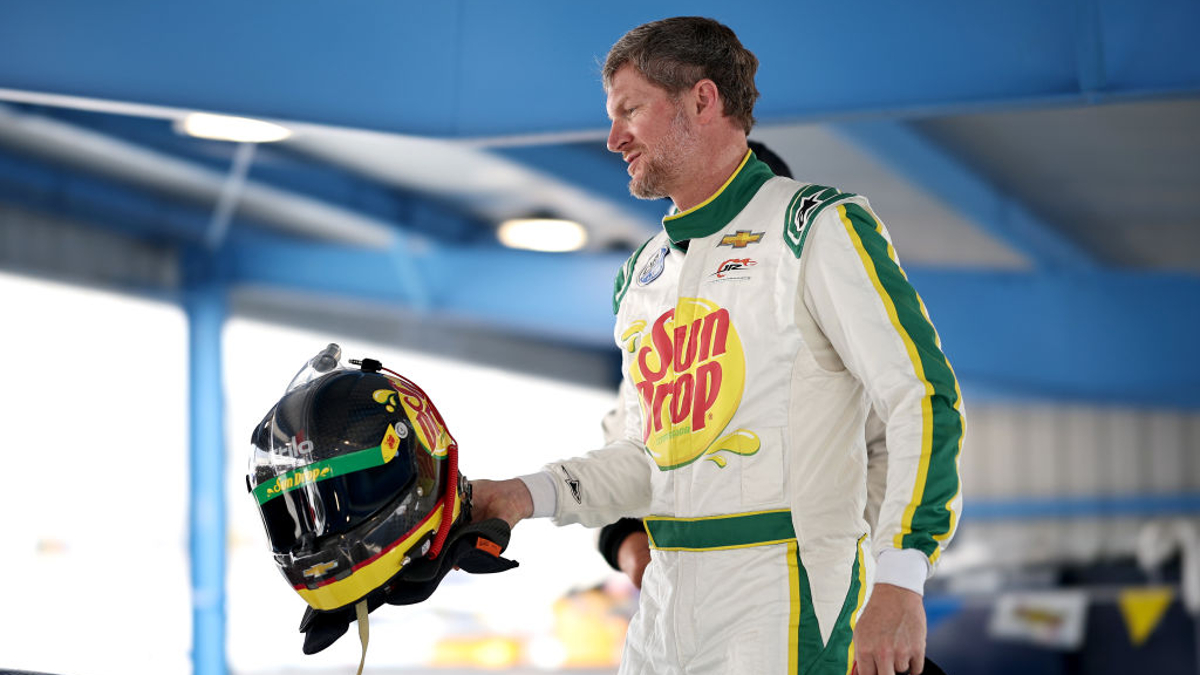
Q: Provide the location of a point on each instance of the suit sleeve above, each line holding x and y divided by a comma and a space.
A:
600, 487
610, 483
880, 328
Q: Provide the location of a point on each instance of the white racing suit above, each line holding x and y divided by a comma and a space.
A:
757, 354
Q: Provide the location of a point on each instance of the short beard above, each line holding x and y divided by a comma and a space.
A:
663, 166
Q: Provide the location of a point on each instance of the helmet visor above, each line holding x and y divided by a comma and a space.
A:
331, 496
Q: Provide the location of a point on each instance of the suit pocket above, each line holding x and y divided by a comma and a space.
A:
763, 475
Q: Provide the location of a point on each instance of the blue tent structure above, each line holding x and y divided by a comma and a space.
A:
1062, 137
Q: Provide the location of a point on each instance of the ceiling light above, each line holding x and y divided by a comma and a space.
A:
543, 234
226, 128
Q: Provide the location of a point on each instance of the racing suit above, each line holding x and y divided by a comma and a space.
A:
760, 330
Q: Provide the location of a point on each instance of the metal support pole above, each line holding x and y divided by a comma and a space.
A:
205, 302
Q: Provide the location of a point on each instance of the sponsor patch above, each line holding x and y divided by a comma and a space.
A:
741, 239
734, 269
689, 369
653, 268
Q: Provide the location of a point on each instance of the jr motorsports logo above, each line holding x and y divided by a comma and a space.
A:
690, 372
734, 269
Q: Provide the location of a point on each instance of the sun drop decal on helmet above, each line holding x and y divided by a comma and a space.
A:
433, 436
331, 468
690, 373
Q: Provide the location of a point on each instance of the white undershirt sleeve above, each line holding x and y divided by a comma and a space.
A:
541, 488
906, 568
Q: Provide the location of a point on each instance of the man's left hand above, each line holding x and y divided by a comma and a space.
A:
889, 637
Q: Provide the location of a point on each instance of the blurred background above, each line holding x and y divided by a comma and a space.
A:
164, 273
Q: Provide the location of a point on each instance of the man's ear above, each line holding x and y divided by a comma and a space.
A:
707, 100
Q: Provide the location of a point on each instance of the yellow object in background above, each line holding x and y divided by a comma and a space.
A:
590, 628
1143, 609
477, 651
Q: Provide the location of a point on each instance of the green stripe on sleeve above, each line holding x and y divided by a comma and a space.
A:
928, 518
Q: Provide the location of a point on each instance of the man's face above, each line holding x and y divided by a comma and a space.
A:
651, 131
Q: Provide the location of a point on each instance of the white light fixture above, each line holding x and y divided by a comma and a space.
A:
543, 234
227, 128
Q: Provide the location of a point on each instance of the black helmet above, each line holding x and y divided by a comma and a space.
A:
356, 479
355, 475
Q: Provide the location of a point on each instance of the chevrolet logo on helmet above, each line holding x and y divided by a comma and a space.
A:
319, 569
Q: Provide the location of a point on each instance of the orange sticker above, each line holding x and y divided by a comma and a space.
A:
488, 546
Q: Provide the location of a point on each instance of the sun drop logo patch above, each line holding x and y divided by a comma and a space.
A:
690, 373
433, 436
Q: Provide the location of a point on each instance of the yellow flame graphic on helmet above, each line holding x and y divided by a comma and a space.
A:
386, 397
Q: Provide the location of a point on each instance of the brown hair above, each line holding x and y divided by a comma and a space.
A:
677, 53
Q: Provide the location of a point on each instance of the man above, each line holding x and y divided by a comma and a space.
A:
759, 330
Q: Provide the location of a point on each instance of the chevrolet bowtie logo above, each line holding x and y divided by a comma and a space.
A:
319, 569
741, 239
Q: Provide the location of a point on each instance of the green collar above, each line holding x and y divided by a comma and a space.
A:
714, 213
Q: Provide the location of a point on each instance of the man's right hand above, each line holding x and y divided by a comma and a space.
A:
508, 500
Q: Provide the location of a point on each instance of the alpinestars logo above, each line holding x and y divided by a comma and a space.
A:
807, 204
573, 484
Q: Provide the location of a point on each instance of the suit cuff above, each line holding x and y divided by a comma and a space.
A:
541, 488
906, 568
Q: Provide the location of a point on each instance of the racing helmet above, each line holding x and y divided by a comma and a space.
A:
355, 476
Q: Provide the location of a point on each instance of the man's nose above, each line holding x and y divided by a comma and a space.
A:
617, 137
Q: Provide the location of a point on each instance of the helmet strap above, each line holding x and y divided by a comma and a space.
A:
447, 502
364, 630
